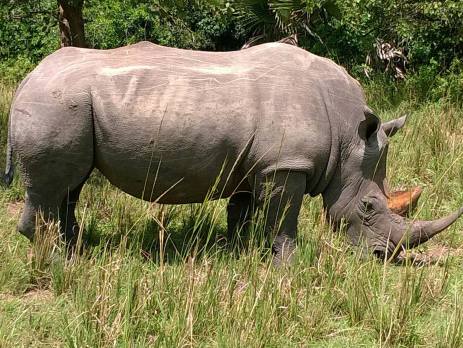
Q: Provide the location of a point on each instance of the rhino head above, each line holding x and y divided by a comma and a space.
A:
358, 194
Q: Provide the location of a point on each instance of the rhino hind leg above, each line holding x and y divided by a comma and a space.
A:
280, 198
26, 225
239, 214
52, 208
52, 189
34, 205
69, 227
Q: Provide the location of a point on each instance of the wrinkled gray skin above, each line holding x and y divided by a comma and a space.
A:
269, 124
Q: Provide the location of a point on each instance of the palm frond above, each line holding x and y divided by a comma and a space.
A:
274, 19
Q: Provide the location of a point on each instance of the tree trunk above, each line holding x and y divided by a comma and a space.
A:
71, 23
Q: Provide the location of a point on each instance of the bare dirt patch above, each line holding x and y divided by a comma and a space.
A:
437, 254
34, 296
14, 209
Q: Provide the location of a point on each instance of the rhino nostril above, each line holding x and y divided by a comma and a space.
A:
380, 254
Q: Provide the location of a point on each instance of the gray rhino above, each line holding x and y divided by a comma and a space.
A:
266, 125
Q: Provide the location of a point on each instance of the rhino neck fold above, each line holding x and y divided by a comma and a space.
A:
329, 171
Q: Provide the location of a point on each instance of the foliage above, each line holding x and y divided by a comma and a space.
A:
185, 24
428, 84
450, 85
28, 32
274, 19
347, 30
426, 29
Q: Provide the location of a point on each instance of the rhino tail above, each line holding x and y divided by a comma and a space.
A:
9, 168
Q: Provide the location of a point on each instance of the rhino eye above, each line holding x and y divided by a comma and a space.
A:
372, 204
366, 205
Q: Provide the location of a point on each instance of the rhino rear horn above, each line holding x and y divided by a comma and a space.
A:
391, 127
403, 202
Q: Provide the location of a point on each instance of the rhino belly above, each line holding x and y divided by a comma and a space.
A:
165, 181
168, 170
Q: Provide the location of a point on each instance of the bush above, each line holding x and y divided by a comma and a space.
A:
14, 69
450, 86
427, 30
184, 24
28, 32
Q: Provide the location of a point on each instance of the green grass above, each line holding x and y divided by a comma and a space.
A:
161, 276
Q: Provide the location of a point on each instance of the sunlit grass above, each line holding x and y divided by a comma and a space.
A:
161, 276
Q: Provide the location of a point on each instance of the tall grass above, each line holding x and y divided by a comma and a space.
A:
160, 276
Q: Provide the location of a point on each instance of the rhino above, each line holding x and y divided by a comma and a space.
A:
263, 126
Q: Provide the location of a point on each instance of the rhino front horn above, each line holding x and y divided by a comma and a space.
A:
421, 231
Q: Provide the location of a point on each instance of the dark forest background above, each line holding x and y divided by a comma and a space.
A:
428, 35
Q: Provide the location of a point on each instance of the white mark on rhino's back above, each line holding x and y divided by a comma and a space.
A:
222, 70
123, 70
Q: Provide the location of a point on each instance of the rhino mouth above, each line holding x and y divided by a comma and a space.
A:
390, 251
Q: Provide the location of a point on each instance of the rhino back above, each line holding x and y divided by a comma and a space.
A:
173, 123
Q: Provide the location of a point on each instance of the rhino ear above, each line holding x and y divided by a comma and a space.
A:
370, 126
391, 127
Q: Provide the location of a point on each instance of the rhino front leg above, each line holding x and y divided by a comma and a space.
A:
239, 214
280, 197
